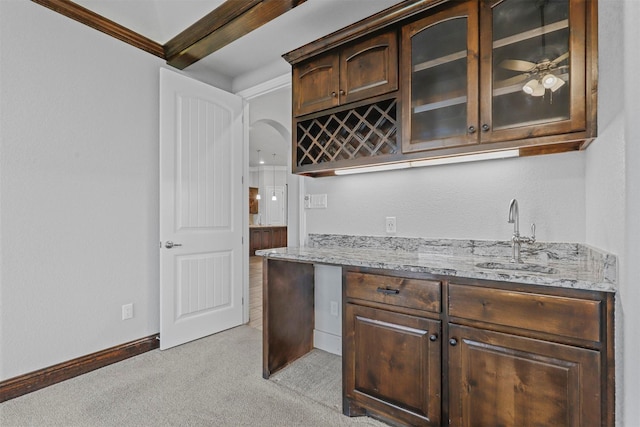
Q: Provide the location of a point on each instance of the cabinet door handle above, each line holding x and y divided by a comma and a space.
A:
433, 337
341, 92
333, 94
453, 342
389, 291
472, 129
485, 127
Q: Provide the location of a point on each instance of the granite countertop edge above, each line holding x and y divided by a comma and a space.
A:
575, 266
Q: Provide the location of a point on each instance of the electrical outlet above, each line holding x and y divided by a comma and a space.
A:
334, 308
390, 224
127, 311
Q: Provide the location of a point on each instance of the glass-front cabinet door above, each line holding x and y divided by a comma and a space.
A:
494, 71
440, 70
532, 80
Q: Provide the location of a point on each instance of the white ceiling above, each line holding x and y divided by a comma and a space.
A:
161, 20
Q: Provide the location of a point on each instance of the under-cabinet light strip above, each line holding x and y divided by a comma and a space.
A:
431, 162
469, 158
376, 168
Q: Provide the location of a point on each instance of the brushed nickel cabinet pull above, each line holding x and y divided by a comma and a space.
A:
388, 291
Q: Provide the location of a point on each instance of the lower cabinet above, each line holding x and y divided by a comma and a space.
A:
498, 379
419, 351
391, 348
267, 238
392, 366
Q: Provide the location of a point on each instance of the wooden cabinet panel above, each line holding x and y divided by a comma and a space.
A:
394, 291
392, 365
287, 332
569, 317
253, 201
279, 237
503, 380
369, 68
362, 70
255, 241
316, 84
267, 238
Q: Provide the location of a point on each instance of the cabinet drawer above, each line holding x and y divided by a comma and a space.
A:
569, 317
396, 291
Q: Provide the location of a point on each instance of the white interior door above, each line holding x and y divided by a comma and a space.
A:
200, 209
276, 208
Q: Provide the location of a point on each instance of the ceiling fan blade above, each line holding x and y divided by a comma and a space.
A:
511, 81
560, 58
517, 65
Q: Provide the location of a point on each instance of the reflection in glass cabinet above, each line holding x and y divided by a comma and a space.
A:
439, 85
441, 72
493, 71
531, 82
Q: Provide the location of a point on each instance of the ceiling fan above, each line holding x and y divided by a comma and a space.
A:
539, 76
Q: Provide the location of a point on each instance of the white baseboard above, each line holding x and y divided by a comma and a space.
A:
327, 342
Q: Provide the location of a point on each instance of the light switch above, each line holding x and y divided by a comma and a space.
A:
315, 201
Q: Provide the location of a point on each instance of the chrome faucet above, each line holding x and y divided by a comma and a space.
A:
516, 239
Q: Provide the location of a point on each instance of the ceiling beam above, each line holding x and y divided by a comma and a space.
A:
227, 23
100, 23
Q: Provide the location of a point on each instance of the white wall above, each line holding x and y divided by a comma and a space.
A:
79, 189
613, 186
630, 289
275, 105
465, 201
606, 181
327, 329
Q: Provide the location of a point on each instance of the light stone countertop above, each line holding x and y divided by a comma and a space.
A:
566, 265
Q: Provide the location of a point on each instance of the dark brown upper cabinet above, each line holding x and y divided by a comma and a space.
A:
474, 76
358, 71
508, 72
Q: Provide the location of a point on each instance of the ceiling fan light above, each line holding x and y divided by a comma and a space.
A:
538, 91
530, 87
558, 85
549, 81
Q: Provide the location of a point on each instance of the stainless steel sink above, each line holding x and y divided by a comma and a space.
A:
533, 268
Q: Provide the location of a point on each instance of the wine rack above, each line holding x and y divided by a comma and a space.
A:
365, 132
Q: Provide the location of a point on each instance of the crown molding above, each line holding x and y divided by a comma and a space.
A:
100, 23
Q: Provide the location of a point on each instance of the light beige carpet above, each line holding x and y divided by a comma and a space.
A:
316, 376
215, 381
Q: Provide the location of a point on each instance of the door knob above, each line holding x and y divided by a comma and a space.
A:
169, 244
453, 341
